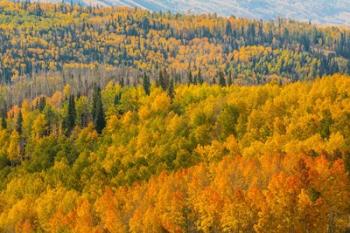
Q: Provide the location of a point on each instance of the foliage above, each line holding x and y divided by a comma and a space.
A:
206, 158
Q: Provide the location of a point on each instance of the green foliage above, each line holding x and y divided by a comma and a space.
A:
98, 114
70, 119
251, 136
227, 120
326, 124
146, 84
19, 122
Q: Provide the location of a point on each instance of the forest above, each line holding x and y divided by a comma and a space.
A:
116, 120
191, 158
49, 45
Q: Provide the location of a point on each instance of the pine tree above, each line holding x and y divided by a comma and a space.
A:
3, 120
146, 84
190, 77
122, 82
171, 89
163, 82
3, 123
228, 29
117, 99
222, 80
19, 123
98, 114
325, 124
199, 77
229, 80
69, 121
41, 103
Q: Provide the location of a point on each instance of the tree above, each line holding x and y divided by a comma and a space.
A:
222, 80
40, 126
199, 77
117, 98
171, 89
227, 120
228, 29
229, 79
19, 122
70, 119
3, 123
41, 103
98, 114
325, 124
110, 215
163, 79
14, 149
190, 77
146, 84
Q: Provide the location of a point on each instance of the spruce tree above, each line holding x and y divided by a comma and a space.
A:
3, 120
163, 82
222, 80
117, 98
3, 123
190, 77
199, 77
121, 82
19, 123
146, 84
69, 121
229, 79
171, 89
98, 114
41, 103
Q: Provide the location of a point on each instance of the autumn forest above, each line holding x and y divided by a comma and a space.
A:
116, 120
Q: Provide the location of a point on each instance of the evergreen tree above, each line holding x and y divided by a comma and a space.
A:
121, 82
146, 84
19, 122
229, 79
222, 80
325, 124
117, 99
163, 82
69, 121
3, 120
199, 77
228, 30
190, 77
3, 123
41, 104
98, 114
171, 89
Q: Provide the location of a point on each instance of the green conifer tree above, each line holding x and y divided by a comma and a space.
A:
146, 84
70, 119
98, 114
19, 123
171, 89
222, 80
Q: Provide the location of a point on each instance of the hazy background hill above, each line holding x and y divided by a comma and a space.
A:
319, 11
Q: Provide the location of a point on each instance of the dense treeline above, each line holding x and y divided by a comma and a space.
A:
166, 157
39, 38
123, 120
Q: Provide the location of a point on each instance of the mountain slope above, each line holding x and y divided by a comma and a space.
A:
320, 11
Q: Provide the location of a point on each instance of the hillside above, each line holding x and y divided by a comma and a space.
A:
194, 159
123, 120
45, 46
321, 11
